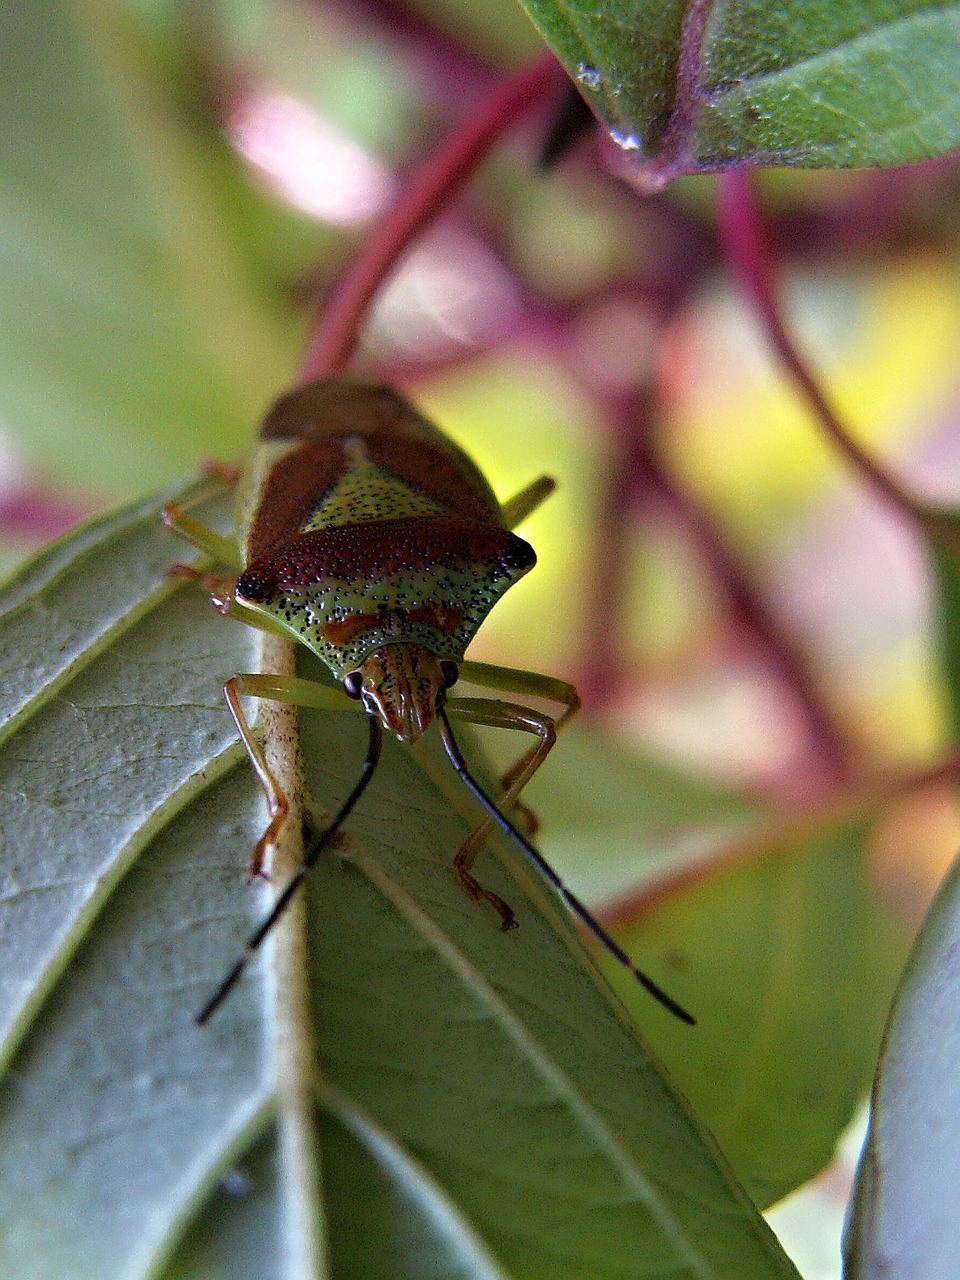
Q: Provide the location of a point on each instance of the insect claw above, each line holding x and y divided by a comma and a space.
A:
527, 818
476, 891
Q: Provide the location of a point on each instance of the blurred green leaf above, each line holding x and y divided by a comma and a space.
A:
787, 958
485, 1090
617, 821
828, 84
134, 340
904, 1221
945, 562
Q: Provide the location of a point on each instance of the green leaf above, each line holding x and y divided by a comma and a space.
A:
688, 87
785, 1051
787, 959
945, 563
124, 300
617, 821
903, 1220
469, 1103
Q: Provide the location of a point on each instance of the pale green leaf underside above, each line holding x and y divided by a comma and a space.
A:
688, 86
483, 1110
904, 1220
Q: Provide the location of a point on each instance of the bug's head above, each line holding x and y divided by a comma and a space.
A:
404, 684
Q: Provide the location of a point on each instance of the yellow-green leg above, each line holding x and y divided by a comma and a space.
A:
508, 715
529, 684
296, 692
176, 517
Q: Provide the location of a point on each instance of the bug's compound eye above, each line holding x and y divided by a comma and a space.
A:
353, 684
450, 672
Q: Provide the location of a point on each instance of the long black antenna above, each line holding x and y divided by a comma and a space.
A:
548, 873
282, 902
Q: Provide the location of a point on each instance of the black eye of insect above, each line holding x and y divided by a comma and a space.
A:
450, 672
352, 684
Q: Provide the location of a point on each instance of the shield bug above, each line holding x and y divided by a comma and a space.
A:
368, 536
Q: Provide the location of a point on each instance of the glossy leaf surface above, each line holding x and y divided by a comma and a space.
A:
903, 1220
690, 86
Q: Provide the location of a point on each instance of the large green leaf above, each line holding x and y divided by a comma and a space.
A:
417, 1095
788, 959
945, 563
903, 1221
689, 86
134, 338
785, 1048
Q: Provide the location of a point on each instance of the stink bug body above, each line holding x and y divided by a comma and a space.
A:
373, 540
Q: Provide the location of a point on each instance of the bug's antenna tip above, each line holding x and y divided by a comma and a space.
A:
585, 916
661, 997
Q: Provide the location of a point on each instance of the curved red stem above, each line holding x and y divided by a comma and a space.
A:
429, 191
742, 232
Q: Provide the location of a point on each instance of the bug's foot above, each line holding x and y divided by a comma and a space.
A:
221, 589
259, 860
266, 846
476, 891
183, 571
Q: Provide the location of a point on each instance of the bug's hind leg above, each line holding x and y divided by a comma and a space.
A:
524, 503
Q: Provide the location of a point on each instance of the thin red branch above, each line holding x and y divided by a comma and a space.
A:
746, 250
425, 196
751, 614
782, 834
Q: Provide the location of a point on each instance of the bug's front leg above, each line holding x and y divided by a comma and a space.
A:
277, 803
291, 690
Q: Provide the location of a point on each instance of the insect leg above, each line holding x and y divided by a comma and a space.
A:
223, 550
529, 684
296, 692
175, 515
501, 715
582, 913
525, 502
283, 900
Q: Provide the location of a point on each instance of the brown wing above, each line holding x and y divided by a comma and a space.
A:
324, 414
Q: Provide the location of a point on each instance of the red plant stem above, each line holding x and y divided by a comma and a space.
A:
427, 194
746, 250
780, 837
755, 619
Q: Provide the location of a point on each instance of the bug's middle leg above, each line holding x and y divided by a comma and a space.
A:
502, 715
529, 684
294, 691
